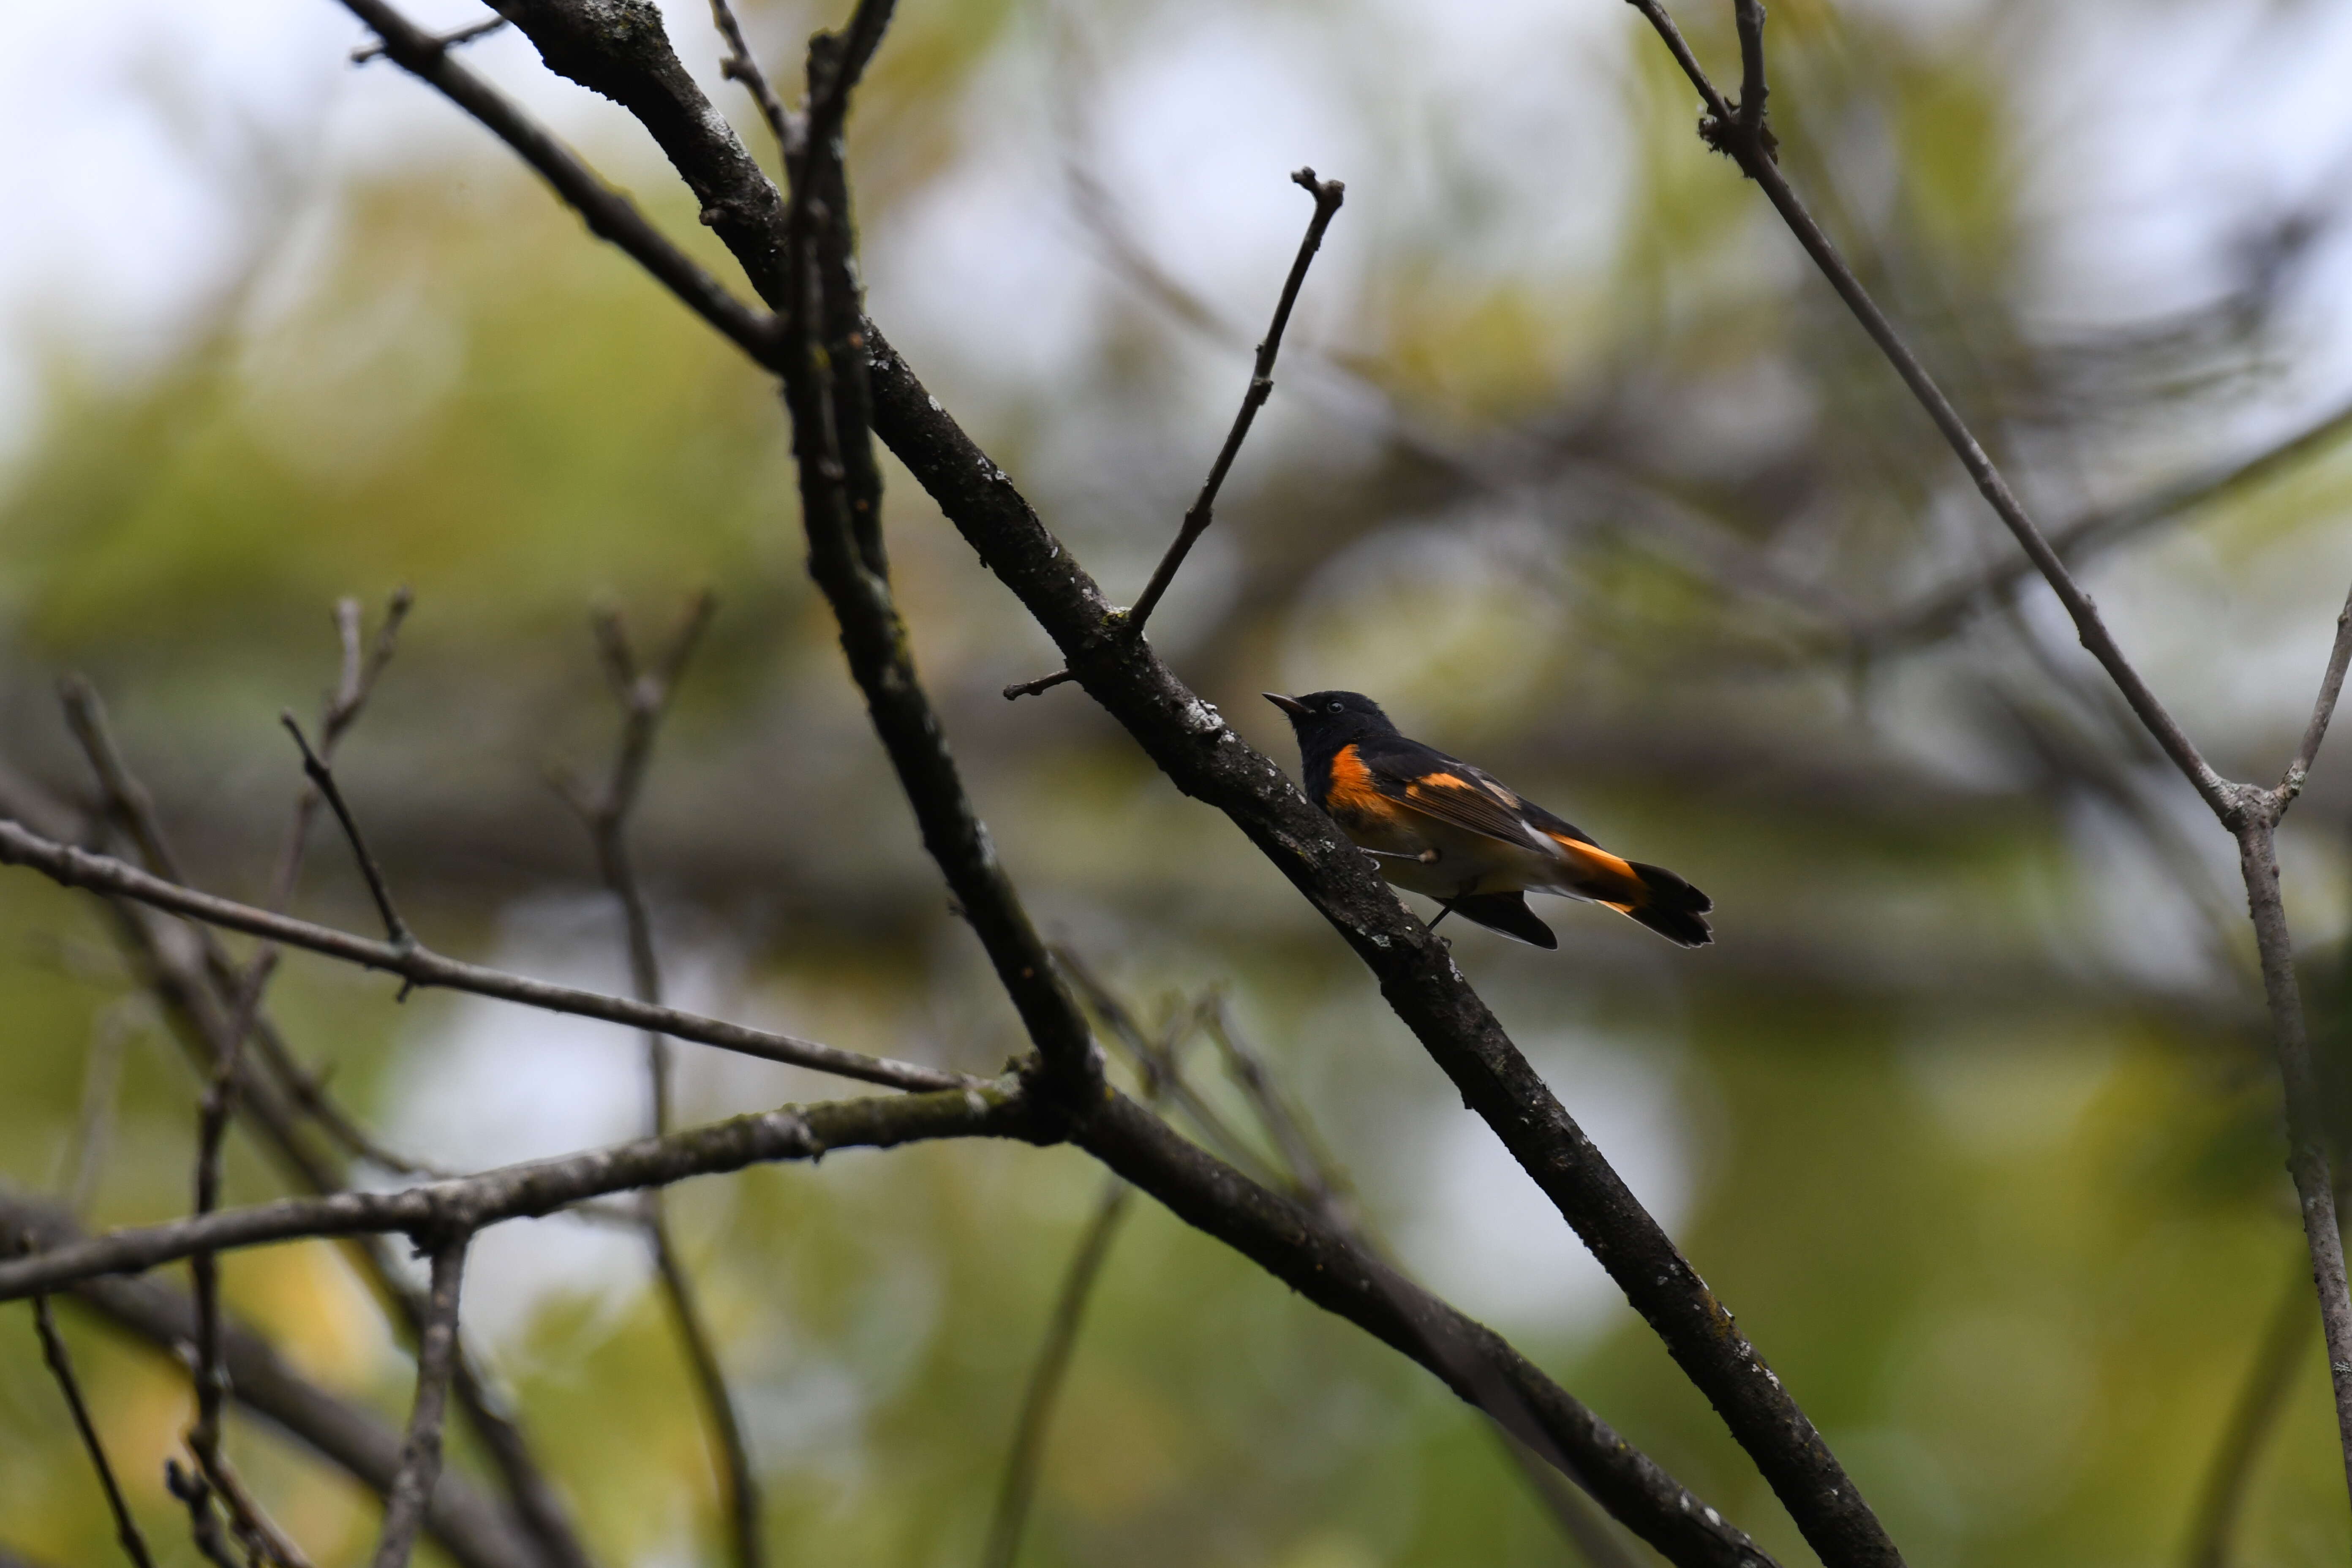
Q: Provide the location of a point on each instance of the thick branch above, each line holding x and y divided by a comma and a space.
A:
419, 965
541, 1186
1204, 758
824, 374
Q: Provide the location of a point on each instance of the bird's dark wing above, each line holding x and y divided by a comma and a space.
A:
1422, 778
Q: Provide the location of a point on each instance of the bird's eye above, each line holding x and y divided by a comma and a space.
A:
1336, 707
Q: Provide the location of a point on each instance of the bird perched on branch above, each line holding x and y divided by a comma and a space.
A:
1436, 826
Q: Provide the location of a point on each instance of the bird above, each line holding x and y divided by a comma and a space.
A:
1438, 827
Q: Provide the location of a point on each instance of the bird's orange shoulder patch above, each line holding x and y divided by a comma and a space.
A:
1352, 791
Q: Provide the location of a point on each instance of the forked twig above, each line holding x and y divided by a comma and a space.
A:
741, 65
395, 929
1327, 195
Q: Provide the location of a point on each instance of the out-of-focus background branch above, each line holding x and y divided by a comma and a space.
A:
1572, 464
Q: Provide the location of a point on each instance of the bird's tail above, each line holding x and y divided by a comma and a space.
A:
1668, 905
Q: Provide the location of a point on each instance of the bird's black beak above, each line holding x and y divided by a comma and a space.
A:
1290, 705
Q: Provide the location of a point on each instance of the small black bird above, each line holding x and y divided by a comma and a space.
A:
1439, 826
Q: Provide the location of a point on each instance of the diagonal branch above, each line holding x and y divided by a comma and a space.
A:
60, 1364
825, 371
1327, 195
419, 965
323, 779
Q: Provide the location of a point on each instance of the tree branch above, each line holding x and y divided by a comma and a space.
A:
825, 371
741, 65
60, 1364
1327, 195
540, 1186
644, 698
419, 965
1189, 741
420, 1455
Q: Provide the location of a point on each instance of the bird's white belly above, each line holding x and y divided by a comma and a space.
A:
1442, 862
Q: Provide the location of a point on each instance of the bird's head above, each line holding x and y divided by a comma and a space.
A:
1331, 717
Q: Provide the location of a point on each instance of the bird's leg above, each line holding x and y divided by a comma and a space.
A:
1444, 910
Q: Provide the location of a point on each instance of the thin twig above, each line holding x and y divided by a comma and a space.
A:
219, 1104
1935, 611
451, 40
200, 998
53, 1352
645, 699
419, 965
2323, 708
741, 65
610, 216
420, 1458
395, 929
1025, 1458
1327, 195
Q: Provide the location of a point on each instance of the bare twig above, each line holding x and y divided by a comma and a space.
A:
1327, 195
219, 1103
2250, 813
741, 65
1023, 1460
420, 965
201, 999
60, 1364
2252, 1419
448, 40
420, 1455
645, 696
395, 929
541, 1186
2323, 708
